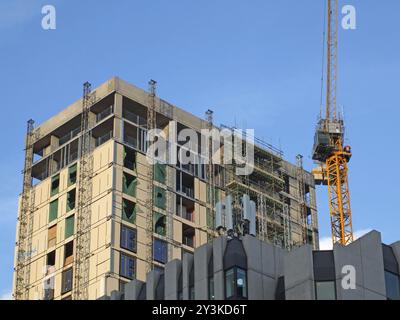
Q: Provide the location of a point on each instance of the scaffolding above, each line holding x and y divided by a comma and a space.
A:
264, 186
24, 243
151, 125
82, 248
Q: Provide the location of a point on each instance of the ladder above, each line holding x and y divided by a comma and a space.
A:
82, 248
151, 124
24, 245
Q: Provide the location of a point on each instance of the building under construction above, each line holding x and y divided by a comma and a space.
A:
94, 214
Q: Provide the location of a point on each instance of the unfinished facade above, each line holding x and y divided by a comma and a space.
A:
94, 214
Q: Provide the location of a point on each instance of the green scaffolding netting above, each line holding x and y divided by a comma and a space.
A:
53, 210
69, 226
129, 184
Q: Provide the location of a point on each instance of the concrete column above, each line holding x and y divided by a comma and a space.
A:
366, 256
187, 263
299, 274
219, 245
133, 289
172, 272
202, 257
151, 284
118, 126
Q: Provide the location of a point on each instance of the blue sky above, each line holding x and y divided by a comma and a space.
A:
256, 64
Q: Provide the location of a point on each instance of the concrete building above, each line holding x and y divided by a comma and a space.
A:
89, 224
247, 268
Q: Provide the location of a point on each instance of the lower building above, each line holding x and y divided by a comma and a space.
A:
248, 268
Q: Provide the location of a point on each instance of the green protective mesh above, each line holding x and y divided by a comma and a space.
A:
160, 172
129, 184
69, 226
53, 210
159, 198
159, 220
128, 211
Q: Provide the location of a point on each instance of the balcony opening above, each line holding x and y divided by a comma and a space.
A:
185, 183
160, 200
185, 208
188, 234
129, 158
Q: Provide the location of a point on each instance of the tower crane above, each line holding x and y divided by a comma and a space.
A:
329, 151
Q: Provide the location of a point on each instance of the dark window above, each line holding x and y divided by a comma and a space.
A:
72, 175
325, 290
127, 266
230, 283
51, 258
160, 251
71, 195
68, 253
160, 221
128, 238
211, 294
235, 283
55, 183
188, 235
66, 282
129, 158
128, 211
392, 282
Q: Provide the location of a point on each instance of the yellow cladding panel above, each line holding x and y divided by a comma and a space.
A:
203, 191
177, 231
103, 155
42, 192
102, 182
141, 269
101, 208
201, 237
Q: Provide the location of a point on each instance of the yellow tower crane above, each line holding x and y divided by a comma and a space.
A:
328, 148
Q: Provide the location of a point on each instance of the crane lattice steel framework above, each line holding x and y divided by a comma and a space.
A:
328, 144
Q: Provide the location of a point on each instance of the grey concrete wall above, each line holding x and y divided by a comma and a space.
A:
219, 245
299, 274
202, 257
366, 256
187, 263
152, 279
172, 272
132, 289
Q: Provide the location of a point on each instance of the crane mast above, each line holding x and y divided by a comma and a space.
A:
328, 150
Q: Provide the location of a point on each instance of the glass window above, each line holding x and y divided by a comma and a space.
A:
128, 238
325, 290
230, 283
127, 266
211, 294
392, 282
241, 283
66, 281
160, 251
